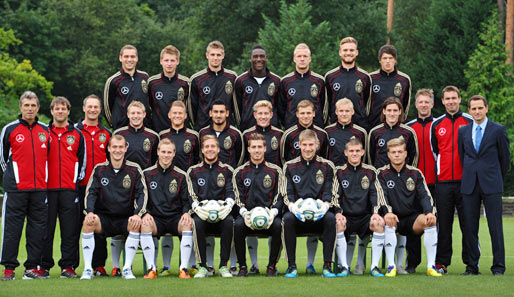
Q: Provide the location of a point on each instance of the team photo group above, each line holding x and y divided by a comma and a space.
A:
332, 158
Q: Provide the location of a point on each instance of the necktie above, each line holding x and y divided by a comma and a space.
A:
478, 138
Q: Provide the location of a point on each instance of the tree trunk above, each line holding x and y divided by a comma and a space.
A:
390, 12
509, 31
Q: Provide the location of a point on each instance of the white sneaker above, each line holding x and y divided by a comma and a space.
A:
87, 274
224, 272
127, 274
401, 270
359, 269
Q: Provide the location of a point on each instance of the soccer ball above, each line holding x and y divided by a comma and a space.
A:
213, 207
308, 207
259, 217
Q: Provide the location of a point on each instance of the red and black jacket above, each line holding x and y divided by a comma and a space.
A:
426, 162
97, 139
66, 157
24, 156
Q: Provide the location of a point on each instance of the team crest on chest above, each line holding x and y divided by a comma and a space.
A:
410, 184
227, 143
173, 187
398, 89
102, 137
319, 177
314, 91
220, 180
228, 88
274, 143
267, 181
359, 86
181, 94
146, 145
70, 139
271, 89
187, 146
42, 136
365, 182
127, 182
144, 86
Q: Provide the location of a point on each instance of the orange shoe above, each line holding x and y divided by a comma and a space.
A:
183, 274
152, 274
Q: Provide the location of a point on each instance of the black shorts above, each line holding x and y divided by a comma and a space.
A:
114, 225
358, 225
406, 223
167, 225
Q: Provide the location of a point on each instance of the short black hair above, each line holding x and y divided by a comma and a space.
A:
258, 46
218, 102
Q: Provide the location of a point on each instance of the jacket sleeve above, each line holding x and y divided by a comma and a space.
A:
5, 147
240, 153
424, 196
288, 188
504, 150
282, 104
92, 192
238, 188
413, 150
433, 141
238, 100
328, 187
329, 95
371, 146
185, 198
323, 103
192, 102
278, 201
460, 143
384, 199
192, 186
82, 156
229, 187
140, 194
340, 195
109, 95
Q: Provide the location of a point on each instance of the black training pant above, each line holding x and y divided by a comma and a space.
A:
224, 229
241, 231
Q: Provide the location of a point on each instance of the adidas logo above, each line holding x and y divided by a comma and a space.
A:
132, 247
388, 244
87, 247
147, 248
166, 246
187, 246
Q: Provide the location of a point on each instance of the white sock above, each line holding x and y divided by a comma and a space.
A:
401, 241
361, 252
192, 260
116, 248
312, 246
88, 246
430, 242
341, 249
148, 247
131, 245
233, 257
167, 250
350, 248
377, 245
253, 244
156, 250
186, 246
390, 245
209, 241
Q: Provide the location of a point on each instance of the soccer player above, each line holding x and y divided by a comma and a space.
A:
299, 85
166, 87
210, 84
349, 81
23, 156
116, 198
168, 212
231, 152
125, 86
212, 180
386, 82
360, 198
257, 184
67, 162
256, 84
444, 136
309, 176
96, 137
407, 193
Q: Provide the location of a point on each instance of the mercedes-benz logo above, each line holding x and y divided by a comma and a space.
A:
248, 89
153, 185
201, 182
247, 182
345, 183
390, 184
297, 179
125, 90
159, 95
104, 181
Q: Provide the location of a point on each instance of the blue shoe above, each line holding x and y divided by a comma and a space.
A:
375, 272
292, 272
326, 272
310, 269
343, 272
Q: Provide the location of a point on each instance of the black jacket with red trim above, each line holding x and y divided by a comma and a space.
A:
187, 146
142, 145
231, 144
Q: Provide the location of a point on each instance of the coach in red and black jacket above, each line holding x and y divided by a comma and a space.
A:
24, 145
444, 140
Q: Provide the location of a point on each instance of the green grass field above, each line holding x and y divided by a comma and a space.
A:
409, 285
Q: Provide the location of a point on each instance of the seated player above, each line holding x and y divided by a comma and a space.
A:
212, 180
116, 198
169, 206
309, 176
406, 191
257, 184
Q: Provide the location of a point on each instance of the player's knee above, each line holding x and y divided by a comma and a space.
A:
341, 227
288, 218
329, 218
239, 224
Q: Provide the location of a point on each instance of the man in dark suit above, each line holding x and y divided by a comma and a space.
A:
484, 154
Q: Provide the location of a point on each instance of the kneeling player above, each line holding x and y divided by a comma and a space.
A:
309, 176
169, 206
211, 181
360, 198
256, 184
406, 191
115, 200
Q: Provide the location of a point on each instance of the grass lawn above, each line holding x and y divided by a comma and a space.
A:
409, 285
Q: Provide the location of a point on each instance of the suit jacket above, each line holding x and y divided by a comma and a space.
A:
489, 165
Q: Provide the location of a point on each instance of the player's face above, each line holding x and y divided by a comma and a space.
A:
169, 64
177, 115
215, 57
424, 105
387, 62
478, 110
136, 116
117, 150
392, 114
308, 148
354, 154
397, 155
258, 59
210, 150
344, 113
92, 109
166, 153
305, 116
302, 59
29, 109
218, 114
348, 53
451, 101
263, 116
256, 148
60, 113
128, 59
